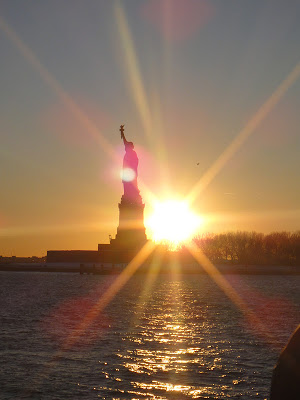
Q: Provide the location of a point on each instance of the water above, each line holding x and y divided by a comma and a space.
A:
172, 338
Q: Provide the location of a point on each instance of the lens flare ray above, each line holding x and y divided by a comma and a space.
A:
103, 302
138, 90
151, 277
231, 293
55, 86
239, 140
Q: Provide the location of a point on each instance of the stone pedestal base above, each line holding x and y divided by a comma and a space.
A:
131, 230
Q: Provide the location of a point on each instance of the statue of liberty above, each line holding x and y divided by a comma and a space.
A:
130, 173
131, 233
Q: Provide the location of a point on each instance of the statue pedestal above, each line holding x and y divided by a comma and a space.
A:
131, 230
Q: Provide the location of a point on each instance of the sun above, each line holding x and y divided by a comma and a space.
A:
172, 221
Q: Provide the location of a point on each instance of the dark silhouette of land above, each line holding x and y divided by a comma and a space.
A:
24, 260
286, 375
252, 248
277, 253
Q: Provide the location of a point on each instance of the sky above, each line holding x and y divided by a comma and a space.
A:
209, 92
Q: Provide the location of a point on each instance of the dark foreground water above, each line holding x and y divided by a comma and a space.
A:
174, 338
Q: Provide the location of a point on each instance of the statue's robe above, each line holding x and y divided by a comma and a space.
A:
131, 162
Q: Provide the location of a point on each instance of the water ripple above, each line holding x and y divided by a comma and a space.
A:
180, 339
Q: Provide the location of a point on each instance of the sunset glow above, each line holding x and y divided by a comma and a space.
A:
173, 221
209, 115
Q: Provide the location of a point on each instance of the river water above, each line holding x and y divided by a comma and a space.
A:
172, 337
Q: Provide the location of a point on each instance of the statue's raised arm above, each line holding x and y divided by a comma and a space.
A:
122, 135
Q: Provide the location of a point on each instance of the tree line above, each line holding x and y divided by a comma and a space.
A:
276, 248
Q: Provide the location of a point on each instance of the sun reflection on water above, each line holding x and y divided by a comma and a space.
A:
177, 346
165, 345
